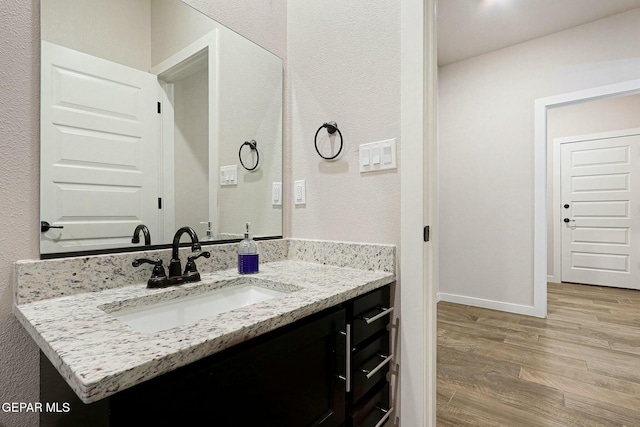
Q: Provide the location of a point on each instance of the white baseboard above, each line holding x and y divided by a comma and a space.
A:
485, 303
552, 278
438, 297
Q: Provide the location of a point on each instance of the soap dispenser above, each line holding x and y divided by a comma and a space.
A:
209, 235
247, 254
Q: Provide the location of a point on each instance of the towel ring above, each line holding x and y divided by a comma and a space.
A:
332, 127
253, 145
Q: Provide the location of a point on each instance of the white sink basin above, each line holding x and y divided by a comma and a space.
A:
189, 309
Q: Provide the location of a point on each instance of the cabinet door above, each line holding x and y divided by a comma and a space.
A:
287, 379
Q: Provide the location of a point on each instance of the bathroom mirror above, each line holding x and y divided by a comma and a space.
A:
145, 105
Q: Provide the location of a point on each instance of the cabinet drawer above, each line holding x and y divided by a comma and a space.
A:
374, 410
371, 313
370, 365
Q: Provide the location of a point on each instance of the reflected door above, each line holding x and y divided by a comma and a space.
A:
99, 152
600, 178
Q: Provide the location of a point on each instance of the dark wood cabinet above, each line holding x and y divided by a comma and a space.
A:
286, 379
296, 376
370, 359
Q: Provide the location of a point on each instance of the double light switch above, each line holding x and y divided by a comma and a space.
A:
229, 175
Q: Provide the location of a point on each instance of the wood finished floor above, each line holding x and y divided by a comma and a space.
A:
578, 367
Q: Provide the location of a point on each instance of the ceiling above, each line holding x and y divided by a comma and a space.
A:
468, 28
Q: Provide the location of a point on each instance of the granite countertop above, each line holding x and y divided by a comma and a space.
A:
99, 355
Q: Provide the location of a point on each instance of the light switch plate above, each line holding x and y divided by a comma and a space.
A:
365, 157
380, 155
299, 192
276, 194
228, 175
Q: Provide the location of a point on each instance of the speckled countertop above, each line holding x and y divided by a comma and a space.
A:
99, 355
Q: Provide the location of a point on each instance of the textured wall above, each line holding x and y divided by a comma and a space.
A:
19, 187
343, 64
486, 147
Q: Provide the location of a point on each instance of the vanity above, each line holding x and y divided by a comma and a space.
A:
314, 350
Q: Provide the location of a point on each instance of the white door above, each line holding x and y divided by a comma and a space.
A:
600, 181
99, 151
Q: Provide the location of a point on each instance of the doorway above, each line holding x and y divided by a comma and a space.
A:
542, 108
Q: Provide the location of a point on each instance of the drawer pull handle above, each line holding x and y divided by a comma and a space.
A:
386, 412
347, 377
348, 356
372, 372
383, 313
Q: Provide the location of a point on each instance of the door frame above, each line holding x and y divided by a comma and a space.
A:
418, 197
172, 69
540, 277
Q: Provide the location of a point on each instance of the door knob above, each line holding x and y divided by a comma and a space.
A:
566, 206
569, 220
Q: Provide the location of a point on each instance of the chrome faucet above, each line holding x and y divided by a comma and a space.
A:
145, 232
176, 276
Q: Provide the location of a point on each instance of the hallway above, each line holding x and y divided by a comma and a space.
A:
578, 367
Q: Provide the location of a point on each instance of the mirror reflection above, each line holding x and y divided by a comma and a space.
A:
145, 106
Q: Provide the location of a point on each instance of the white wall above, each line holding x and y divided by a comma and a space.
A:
263, 22
486, 140
343, 64
581, 119
251, 108
191, 150
19, 166
122, 30
174, 25
119, 32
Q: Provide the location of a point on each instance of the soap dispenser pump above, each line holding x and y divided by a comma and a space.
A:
209, 235
247, 254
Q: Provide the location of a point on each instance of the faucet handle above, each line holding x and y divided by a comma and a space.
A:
191, 265
139, 261
158, 275
195, 257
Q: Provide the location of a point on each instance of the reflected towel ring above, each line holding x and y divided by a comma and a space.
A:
332, 127
253, 145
